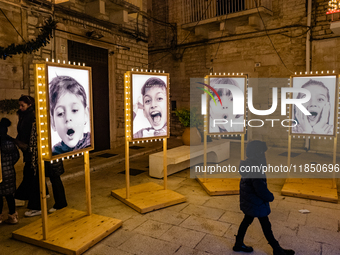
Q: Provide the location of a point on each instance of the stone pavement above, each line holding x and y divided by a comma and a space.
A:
202, 225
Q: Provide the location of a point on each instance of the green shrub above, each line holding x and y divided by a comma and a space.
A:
189, 118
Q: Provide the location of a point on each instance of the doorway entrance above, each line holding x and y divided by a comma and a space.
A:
97, 59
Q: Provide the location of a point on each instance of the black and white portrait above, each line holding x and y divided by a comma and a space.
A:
222, 119
150, 106
321, 106
69, 108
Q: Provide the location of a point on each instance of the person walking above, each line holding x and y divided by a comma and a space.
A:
255, 198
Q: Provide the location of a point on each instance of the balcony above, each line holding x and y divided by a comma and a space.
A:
210, 15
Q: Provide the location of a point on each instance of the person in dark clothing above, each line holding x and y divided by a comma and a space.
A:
26, 119
53, 171
255, 198
29, 187
9, 156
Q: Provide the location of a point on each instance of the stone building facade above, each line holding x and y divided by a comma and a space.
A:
263, 39
116, 29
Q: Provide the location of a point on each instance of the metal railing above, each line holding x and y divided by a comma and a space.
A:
195, 10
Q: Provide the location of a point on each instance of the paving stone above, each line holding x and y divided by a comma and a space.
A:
152, 228
297, 200
145, 245
193, 195
167, 216
280, 215
323, 221
329, 249
281, 228
295, 217
301, 245
191, 182
183, 236
215, 245
102, 249
134, 222
325, 204
205, 225
176, 208
232, 217
230, 203
117, 238
319, 235
183, 250
293, 205
203, 211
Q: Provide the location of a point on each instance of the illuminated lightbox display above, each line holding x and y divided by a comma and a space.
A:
68, 110
224, 91
322, 105
150, 105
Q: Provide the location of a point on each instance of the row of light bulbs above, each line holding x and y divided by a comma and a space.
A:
316, 72
155, 140
146, 70
64, 62
225, 74
72, 156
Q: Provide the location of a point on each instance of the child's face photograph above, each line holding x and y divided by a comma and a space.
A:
317, 102
70, 118
155, 106
321, 105
224, 111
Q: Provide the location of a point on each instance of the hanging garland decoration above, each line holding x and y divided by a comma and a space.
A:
33, 45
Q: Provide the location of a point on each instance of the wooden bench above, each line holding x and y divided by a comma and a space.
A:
182, 157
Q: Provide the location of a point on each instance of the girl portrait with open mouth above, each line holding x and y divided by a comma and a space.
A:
320, 106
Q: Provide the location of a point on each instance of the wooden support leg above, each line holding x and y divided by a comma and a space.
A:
165, 163
334, 161
43, 199
288, 154
87, 182
127, 169
242, 147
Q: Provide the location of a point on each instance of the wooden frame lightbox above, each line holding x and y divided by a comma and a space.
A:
73, 71
219, 104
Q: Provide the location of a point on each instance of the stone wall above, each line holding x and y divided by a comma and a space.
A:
17, 73
241, 47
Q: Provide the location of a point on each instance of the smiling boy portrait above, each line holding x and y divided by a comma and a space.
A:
153, 95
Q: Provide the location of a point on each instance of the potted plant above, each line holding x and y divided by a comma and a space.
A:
190, 120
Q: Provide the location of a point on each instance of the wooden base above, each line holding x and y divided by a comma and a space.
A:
71, 231
317, 189
220, 186
148, 197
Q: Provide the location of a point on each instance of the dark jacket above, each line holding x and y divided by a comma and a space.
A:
54, 169
24, 128
254, 194
9, 156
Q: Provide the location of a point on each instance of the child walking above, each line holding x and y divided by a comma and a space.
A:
255, 198
9, 156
